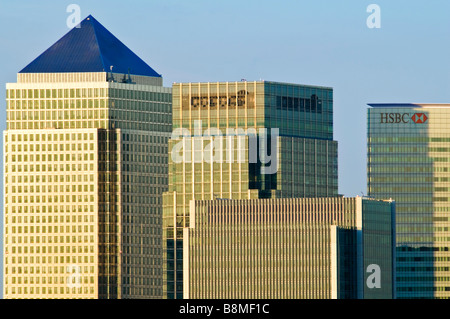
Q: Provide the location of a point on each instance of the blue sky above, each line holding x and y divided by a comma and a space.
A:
322, 42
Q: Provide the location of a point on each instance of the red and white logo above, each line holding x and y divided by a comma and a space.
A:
419, 118
397, 118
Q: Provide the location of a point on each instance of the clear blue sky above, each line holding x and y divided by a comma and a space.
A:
322, 42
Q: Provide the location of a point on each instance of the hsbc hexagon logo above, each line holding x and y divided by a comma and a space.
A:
396, 118
419, 118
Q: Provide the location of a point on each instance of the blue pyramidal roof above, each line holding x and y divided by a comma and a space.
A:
89, 48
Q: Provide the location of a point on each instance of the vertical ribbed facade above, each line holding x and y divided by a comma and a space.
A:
282, 248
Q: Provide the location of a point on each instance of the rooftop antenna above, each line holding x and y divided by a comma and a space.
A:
129, 76
112, 76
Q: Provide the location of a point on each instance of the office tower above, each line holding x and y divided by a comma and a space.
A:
85, 164
408, 161
244, 140
289, 248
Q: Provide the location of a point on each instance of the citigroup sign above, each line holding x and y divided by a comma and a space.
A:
396, 118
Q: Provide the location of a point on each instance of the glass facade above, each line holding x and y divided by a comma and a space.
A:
378, 241
85, 165
297, 110
221, 153
51, 220
408, 160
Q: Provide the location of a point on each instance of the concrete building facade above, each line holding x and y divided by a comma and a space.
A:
290, 248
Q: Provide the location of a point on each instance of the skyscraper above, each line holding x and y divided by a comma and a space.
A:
85, 164
408, 160
244, 140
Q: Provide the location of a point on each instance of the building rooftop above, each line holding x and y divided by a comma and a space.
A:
411, 105
89, 47
260, 81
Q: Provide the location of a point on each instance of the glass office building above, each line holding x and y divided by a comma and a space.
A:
244, 140
289, 248
85, 165
408, 160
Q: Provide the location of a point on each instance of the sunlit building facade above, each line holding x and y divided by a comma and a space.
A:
408, 160
85, 164
290, 248
244, 140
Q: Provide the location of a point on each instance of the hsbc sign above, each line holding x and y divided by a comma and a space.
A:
389, 118
419, 118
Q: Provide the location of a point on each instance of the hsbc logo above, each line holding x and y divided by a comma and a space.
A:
419, 118
389, 118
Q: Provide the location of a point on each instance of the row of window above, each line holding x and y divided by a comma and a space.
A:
61, 147
50, 168
141, 95
258, 88
31, 109
73, 179
69, 137
53, 157
423, 150
421, 229
86, 104
52, 188
39, 291
48, 209
56, 93
61, 115
49, 239
12, 260
152, 125
51, 229
57, 219
50, 199
406, 238
49, 280
422, 289
422, 259
407, 139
